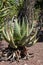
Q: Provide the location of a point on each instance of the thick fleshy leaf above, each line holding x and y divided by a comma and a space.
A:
23, 28
17, 28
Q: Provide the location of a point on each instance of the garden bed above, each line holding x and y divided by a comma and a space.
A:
35, 59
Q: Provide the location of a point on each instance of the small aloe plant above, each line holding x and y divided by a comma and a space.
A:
17, 34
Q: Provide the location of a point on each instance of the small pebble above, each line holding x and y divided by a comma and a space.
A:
25, 64
2, 61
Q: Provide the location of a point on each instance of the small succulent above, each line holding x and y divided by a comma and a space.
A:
17, 34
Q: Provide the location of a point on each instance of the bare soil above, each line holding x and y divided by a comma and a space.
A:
35, 55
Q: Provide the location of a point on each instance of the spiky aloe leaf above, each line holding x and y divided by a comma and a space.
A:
35, 41
5, 34
4, 9
31, 29
17, 33
33, 36
23, 28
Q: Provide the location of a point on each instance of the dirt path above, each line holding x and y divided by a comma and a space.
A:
37, 58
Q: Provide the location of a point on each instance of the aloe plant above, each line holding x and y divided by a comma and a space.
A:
19, 35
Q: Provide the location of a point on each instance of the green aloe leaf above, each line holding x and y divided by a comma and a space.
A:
32, 37
17, 33
31, 29
23, 28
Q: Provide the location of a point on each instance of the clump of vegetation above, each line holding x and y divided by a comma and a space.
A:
17, 34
